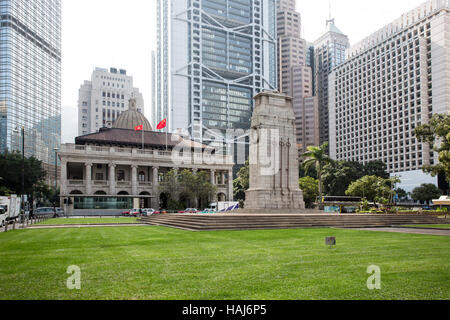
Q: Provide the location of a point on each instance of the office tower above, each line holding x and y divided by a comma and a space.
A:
311, 62
154, 89
104, 98
213, 57
295, 75
329, 53
392, 82
30, 73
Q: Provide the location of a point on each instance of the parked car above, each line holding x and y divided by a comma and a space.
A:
209, 210
148, 212
161, 211
46, 211
189, 210
126, 213
135, 212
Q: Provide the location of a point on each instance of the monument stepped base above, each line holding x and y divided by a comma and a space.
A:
232, 221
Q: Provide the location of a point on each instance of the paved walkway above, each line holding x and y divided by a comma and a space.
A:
20, 227
87, 226
433, 232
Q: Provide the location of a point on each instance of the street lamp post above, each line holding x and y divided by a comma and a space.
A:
56, 179
22, 191
56, 168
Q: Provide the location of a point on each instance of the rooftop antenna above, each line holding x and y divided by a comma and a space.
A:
330, 19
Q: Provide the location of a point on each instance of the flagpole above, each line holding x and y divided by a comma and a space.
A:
142, 139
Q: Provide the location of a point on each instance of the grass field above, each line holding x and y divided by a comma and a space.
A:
65, 221
429, 226
162, 263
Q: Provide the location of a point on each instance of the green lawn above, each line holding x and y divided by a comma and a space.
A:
163, 263
69, 221
429, 226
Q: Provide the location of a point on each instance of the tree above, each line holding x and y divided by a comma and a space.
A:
376, 168
402, 194
5, 192
242, 182
373, 188
204, 190
426, 192
310, 188
186, 188
338, 175
317, 157
11, 172
437, 134
169, 186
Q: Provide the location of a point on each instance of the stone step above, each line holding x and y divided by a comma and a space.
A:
250, 222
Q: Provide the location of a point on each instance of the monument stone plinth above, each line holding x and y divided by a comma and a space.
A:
274, 165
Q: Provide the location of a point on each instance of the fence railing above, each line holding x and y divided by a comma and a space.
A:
24, 222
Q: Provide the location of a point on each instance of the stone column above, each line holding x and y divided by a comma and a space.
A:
88, 178
112, 178
134, 179
213, 177
63, 181
230, 185
155, 177
155, 193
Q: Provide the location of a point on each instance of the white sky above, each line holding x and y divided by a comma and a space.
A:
122, 34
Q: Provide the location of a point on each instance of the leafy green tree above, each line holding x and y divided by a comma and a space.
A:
369, 187
310, 188
338, 175
376, 168
311, 172
187, 187
5, 192
204, 190
11, 172
437, 134
242, 182
169, 186
317, 157
402, 194
426, 192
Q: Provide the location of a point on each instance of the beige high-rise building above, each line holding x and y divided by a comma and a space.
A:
295, 76
104, 98
392, 82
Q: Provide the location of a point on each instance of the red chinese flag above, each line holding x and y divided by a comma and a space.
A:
162, 125
139, 128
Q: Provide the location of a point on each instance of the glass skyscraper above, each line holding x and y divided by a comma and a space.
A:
213, 58
30, 77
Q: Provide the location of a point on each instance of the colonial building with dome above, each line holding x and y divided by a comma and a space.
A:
119, 168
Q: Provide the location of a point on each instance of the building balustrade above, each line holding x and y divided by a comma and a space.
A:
101, 183
196, 158
76, 182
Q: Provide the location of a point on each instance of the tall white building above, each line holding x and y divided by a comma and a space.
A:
392, 82
104, 98
212, 58
329, 52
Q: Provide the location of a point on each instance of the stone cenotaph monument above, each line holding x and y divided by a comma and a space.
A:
274, 165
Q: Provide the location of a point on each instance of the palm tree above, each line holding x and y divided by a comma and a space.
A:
317, 156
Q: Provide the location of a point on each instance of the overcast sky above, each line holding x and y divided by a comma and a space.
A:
122, 34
